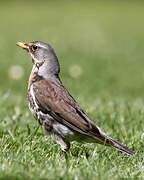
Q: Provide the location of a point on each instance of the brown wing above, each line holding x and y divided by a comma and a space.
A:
54, 99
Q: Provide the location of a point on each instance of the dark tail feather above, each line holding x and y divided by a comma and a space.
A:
117, 145
102, 138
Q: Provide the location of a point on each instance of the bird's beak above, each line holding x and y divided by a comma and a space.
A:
23, 45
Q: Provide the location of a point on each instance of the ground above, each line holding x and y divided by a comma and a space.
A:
100, 48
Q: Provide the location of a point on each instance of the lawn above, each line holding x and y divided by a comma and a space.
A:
100, 46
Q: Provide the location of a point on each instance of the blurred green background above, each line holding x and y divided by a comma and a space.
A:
103, 38
100, 46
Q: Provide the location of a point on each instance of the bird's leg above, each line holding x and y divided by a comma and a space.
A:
65, 145
65, 148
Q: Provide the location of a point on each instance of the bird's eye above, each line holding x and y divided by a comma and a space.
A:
34, 47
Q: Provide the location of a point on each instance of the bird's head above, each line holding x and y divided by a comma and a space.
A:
43, 57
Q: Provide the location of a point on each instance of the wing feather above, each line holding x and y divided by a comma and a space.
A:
53, 98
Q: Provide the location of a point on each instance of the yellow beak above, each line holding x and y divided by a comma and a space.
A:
22, 45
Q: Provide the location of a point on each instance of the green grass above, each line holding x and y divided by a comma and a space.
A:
104, 42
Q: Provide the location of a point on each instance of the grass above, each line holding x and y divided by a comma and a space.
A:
100, 48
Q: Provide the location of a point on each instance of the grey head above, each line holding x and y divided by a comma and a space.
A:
43, 57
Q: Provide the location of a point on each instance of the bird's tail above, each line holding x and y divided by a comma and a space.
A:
102, 138
118, 145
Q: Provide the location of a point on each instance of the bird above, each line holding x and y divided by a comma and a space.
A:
54, 108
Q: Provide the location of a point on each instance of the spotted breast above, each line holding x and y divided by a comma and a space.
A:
44, 119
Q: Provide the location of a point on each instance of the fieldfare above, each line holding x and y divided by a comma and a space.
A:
54, 108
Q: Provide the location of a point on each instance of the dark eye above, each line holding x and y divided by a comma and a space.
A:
34, 47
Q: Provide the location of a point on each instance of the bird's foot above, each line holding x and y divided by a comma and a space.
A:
63, 154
